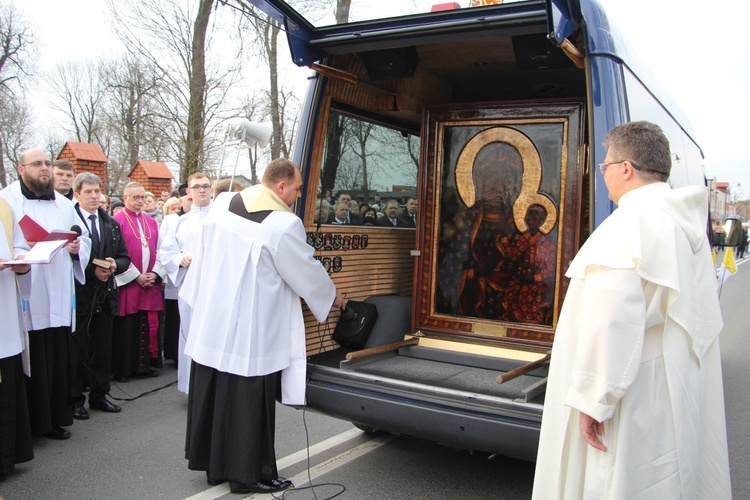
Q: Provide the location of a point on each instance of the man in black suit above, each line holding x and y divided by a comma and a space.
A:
96, 301
351, 219
409, 216
391, 218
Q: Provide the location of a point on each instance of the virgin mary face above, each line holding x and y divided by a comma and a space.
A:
498, 174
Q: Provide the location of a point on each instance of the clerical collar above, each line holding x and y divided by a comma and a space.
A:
30, 195
194, 208
132, 212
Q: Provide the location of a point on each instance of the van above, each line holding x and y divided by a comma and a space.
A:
489, 120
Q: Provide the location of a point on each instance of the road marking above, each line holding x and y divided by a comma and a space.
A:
334, 463
315, 449
299, 456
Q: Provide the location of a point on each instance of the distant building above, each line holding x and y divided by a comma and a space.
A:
154, 175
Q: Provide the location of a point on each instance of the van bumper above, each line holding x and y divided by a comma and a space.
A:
452, 418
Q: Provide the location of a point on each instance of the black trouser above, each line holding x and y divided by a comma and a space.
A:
130, 345
91, 356
48, 388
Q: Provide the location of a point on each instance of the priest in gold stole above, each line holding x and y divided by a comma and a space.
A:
247, 277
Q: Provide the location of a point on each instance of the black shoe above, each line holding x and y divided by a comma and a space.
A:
121, 379
80, 413
279, 482
104, 405
151, 373
271, 486
212, 482
86, 388
58, 433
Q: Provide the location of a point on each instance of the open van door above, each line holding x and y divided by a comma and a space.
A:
487, 121
563, 17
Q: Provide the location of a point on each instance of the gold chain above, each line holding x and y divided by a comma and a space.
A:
144, 239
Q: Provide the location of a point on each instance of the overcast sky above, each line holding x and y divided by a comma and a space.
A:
696, 49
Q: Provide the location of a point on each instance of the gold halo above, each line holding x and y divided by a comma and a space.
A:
532, 174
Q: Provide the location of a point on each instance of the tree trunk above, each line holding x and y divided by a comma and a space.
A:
272, 52
334, 150
196, 113
342, 11
3, 181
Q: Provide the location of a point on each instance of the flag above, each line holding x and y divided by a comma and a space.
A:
728, 266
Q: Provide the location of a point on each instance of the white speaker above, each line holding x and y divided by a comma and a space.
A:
251, 133
258, 133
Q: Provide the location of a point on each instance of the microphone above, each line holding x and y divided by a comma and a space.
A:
76, 229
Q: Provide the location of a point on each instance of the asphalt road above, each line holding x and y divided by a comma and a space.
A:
139, 452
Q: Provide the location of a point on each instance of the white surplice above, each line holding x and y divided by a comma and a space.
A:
244, 288
637, 348
51, 302
168, 225
12, 338
183, 239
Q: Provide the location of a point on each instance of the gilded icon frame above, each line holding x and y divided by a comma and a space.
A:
501, 192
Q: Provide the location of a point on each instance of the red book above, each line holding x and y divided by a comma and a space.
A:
33, 232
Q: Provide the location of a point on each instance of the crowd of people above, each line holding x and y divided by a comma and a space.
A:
107, 307
634, 401
382, 213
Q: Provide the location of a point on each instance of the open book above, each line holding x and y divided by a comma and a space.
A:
42, 253
34, 232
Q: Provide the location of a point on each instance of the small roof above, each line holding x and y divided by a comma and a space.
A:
86, 151
153, 169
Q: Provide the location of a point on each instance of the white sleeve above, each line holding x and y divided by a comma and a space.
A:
169, 253
305, 275
127, 276
610, 341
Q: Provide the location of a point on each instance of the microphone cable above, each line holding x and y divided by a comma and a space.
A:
323, 330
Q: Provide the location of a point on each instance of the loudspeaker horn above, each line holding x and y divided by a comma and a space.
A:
251, 133
258, 133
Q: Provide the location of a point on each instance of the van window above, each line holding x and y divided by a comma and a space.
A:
367, 162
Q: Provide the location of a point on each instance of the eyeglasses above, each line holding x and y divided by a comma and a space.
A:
39, 163
603, 166
202, 187
137, 197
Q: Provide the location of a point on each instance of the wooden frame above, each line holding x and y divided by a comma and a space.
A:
500, 188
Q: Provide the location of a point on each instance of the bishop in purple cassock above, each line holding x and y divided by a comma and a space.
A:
135, 341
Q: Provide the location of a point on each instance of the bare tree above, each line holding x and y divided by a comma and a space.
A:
289, 108
197, 104
267, 33
15, 132
334, 149
361, 133
17, 51
129, 107
17, 47
254, 109
130, 118
193, 81
78, 93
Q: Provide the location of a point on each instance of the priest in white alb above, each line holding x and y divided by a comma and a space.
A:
176, 250
634, 406
50, 307
15, 281
247, 327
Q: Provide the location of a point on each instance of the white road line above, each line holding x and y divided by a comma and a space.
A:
299, 456
329, 443
334, 463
